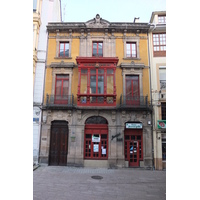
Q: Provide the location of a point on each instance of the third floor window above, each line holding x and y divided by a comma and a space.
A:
161, 19
131, 50
64, 49
159, 44
97, 49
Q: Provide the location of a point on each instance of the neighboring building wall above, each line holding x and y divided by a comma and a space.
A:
50, 12
37, 5
80, 37
158, 94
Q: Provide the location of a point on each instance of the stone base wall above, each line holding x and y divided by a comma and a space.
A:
116, 126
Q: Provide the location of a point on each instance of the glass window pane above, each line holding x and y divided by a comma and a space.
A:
109, 71
109, 84
58, 87
83, 71
83, 84
65, 87
94, 49
100, 49
100, 84
62, 76
67, 49
100, 71
93, 71
93, 84
128, 87
162, 74
34, 5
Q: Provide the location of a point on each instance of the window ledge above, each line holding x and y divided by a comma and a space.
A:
62, 57
131, 58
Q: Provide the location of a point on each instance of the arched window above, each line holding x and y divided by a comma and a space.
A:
96, 138
96, 120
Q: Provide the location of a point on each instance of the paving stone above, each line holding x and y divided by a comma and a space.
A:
52, 182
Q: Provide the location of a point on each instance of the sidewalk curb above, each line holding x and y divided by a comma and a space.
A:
35, 167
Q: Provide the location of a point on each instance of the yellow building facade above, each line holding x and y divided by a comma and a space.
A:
97, 95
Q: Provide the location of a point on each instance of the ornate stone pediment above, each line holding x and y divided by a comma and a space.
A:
97, 22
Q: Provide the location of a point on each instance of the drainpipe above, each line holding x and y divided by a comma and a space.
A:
151, 97
44, 79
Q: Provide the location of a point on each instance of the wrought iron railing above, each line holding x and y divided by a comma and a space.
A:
96, 100
163, 85
133, 101
64, 100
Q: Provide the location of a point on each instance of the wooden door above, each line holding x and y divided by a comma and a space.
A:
58, 143
132, 90
133, 148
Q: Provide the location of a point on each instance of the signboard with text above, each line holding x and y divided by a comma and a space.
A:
134, 125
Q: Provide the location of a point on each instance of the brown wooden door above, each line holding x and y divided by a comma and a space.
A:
58, 143
133, 148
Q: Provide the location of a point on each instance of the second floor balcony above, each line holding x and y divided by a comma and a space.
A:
96, 99
128, 101
59, 100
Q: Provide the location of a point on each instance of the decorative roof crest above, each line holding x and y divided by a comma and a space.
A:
97, 22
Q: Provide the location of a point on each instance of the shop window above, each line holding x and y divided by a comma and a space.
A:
163, 110
164, 149
159, 44
64, 49
96, 138
97, 49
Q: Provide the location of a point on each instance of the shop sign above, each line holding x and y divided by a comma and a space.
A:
134, 125
35, 119
95, 138
161, 124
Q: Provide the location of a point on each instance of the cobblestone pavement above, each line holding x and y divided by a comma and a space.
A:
71, 183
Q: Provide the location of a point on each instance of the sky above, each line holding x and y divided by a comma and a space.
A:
110, 10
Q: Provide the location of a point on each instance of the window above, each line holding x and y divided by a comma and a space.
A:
164, 149
159, 44
97, 86
34, 5
96, 138
64, 49
162, 77
61, 89
132, 90
131, 51
161, 19
163, 110
97, 49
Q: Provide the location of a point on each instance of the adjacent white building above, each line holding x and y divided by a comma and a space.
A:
50, 12
157, 51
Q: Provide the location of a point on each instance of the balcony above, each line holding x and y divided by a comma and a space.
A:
96, 99
162, 84
66, 101
136, 102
